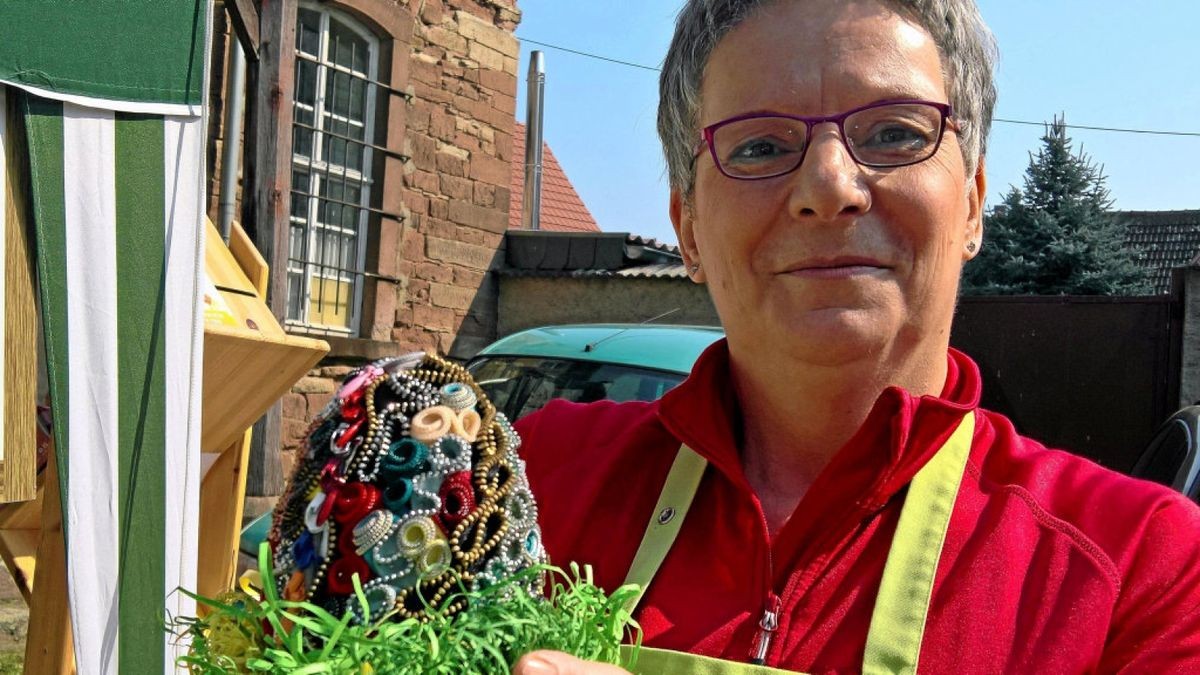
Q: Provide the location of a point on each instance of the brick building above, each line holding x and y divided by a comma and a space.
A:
376, 179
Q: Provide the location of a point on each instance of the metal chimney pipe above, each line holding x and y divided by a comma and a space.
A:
231, 149
532, 200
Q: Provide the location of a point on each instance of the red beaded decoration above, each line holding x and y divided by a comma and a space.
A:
343, 570
354, 501
458, 499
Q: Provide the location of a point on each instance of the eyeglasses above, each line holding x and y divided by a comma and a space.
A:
883, 134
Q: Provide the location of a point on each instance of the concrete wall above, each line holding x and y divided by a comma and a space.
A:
1189, 379
526, 302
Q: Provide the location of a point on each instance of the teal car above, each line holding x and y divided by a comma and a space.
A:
582, 363
587, 362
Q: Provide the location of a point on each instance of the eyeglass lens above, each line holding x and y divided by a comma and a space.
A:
887, 135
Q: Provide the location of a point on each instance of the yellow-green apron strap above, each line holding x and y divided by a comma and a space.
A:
666, 662
665, 520
902, 606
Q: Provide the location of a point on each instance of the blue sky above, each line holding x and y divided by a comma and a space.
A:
1103, 63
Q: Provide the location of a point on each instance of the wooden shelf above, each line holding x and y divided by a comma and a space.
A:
249, 361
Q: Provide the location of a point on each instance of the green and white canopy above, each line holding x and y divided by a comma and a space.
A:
141, 56
109, 97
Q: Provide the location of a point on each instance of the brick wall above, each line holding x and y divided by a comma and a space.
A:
454, 192
460, 125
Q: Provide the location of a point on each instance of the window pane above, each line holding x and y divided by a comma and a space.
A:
328, 259
342, 212
357, 99
331, 213
345, 106
342, 153
347, 48
333, 188
296, 245
330, 302
302, 141
349, 251
350, 219
330, 255
350, 216
317, 255
347, 191
300, 192
308, 32
295, 289
306, 82
337, 92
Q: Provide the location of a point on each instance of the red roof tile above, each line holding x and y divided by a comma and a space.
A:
562, 209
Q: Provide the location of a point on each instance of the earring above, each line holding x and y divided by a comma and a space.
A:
970, 247
693, 268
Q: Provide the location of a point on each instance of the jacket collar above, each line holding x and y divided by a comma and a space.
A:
899, 436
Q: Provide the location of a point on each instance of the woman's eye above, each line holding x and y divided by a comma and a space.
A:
896, 135
757, 149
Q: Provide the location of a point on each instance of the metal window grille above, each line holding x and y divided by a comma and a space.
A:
332, 154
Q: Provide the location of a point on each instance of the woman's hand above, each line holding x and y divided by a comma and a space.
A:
558, 663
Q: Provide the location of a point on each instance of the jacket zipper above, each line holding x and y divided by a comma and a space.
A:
769, 621
766, 630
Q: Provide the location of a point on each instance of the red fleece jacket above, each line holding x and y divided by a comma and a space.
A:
1051, 564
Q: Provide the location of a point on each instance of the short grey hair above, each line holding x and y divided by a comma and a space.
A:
966, 45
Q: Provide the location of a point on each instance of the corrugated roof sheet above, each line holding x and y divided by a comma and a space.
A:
654, 244
1165, 240
562, 209
651, 271
590, 255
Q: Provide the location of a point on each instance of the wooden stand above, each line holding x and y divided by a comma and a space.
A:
249, 362
247, 367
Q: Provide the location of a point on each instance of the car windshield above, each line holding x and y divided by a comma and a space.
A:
519, 385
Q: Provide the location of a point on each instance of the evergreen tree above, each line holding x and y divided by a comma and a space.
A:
1057, 236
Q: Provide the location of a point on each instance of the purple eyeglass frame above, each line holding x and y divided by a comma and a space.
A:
709, 132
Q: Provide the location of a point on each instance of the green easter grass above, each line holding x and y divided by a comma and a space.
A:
499, 625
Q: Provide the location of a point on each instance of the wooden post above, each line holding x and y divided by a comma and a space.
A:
18, 465
48, 644
221, 519
244, 17
269, 171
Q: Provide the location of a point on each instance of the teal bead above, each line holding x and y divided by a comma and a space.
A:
453, 450
405, 458
397, 495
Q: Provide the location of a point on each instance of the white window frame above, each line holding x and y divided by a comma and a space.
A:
319, 169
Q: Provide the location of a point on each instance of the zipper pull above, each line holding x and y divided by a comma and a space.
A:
766, 630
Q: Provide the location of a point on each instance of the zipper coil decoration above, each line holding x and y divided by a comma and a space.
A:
410, 481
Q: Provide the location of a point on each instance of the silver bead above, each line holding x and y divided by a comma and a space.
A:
458, 396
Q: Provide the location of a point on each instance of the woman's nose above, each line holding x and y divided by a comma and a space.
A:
829, 184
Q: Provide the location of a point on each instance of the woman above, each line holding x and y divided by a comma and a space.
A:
854, 509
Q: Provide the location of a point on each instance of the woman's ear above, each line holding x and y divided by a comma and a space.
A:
683, 221
976, 193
